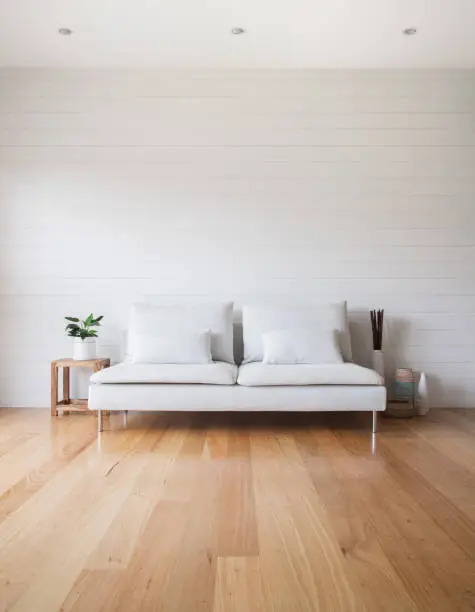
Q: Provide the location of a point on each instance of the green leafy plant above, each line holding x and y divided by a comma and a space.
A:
83, 329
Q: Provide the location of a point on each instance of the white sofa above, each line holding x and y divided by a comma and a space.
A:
269, 378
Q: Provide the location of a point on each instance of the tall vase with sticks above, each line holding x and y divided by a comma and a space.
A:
377, 319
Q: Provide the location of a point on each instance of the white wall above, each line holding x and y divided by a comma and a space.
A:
118, 186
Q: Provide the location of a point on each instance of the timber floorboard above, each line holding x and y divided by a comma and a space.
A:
237, 513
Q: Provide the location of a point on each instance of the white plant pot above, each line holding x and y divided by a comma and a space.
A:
84, 349
378, 362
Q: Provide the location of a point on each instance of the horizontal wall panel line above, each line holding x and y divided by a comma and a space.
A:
225, 146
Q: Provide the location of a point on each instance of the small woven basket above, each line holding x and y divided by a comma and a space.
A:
403, 405
404, 385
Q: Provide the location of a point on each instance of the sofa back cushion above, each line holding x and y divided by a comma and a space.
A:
260, 319
153, 320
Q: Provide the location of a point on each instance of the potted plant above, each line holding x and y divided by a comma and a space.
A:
84, 334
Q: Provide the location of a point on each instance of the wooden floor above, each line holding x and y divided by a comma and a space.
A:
221, 513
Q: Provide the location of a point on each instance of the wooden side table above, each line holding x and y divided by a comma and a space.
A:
71, 405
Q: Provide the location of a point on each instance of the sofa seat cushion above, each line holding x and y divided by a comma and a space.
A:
215, 373
260, 374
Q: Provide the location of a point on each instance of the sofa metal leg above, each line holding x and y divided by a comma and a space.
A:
375, 422
124, 417
99, 421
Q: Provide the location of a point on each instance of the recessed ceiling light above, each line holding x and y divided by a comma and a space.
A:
237, 31
65, 31
409, 31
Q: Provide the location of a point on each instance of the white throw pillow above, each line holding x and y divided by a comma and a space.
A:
187, 316
262, 318
175, 346
301, 346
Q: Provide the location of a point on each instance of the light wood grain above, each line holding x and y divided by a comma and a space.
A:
237, 513
54, 389
95, 364
66, 384
239, 585
67, 404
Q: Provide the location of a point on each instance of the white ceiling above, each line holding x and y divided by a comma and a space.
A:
279, 33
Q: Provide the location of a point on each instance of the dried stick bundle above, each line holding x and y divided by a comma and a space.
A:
377, 317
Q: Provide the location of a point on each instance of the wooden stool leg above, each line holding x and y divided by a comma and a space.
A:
66, 385
54, 389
